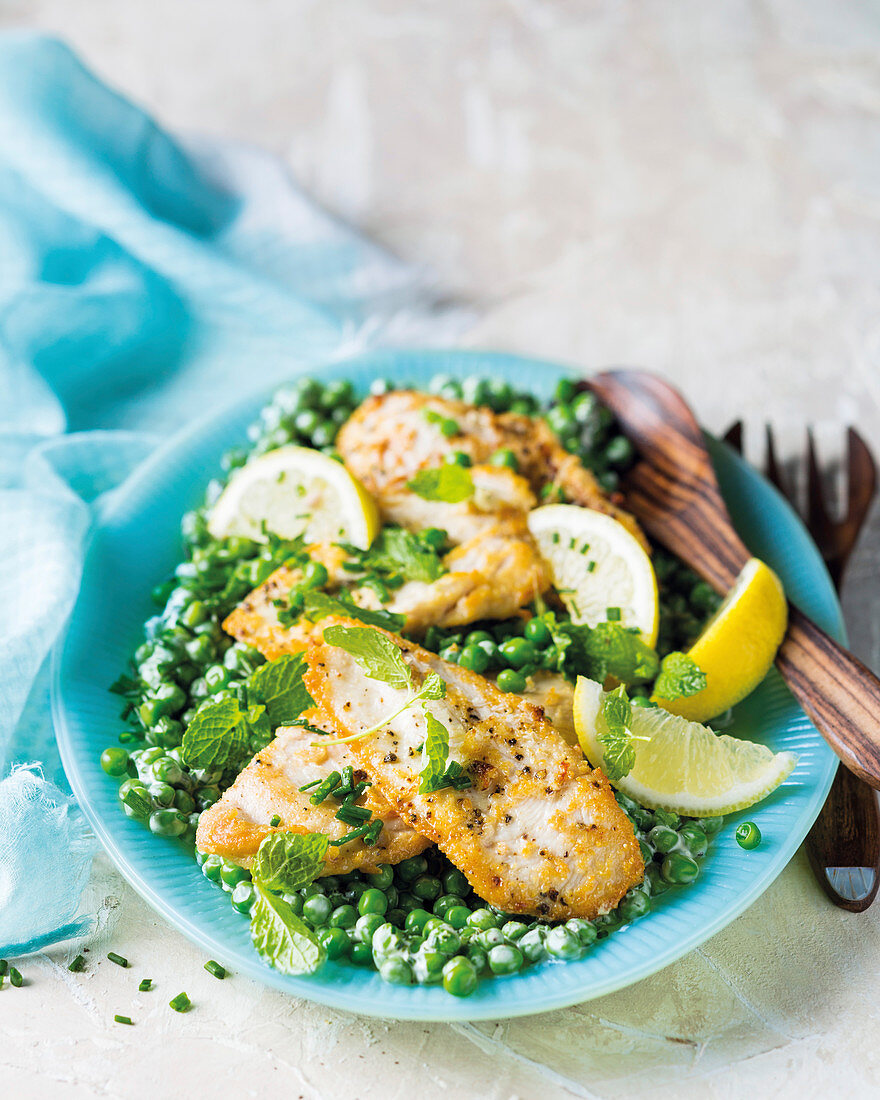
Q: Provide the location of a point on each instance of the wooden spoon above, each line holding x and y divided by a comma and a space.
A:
673, 492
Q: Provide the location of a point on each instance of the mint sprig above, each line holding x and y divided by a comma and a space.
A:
286, 862
680, 676
280, 937
616, 740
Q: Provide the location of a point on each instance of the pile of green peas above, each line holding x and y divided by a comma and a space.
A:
418, 922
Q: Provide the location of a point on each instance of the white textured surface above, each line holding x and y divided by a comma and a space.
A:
687, 186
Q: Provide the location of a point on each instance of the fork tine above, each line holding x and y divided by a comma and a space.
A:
818, 520
861, 478
771, 464
733, 437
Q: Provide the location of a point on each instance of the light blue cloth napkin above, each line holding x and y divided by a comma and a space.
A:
140, 282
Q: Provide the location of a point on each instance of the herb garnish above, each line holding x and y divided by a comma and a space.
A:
680, 676
616, 740
447, 483
286, 862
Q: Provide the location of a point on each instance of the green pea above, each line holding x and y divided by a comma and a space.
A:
396, 970
656, 883
312, 889
407, 902
584, 930
505, 959
510, 680
361, 954
396, 916
561, 421
481, 919
505, 458
444, 903
646, 850
242, 897
634, 905
200, 650
410, 869
367, 925
565, 390
167, 823
416, 920
537, 632
457, 916
696, 840
317, 909
454, 882
457, 458
324, 434
517, 652
450, 653
620, 452
295, 902
354, 889
315, 575
169, 731
474, 658
514, 930
212, 866
748, 835
167, 770
207, 796
710, 825
306, 421
668, 818
562, 943
338, 392
231, 874
372, 901
475, 390
444, 939
459, 976
663, 838
184, 802
334, 941
679, 869
114, 761
382, 877
532, 945
428, 966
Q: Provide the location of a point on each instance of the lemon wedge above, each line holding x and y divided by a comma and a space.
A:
679, 765
597, 566
296, 491
738, 644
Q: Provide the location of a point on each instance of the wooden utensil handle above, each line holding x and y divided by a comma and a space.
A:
837, 691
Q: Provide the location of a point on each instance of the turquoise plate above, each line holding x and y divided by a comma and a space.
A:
137, 544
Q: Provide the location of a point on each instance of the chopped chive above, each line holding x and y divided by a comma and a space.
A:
322, 791
347, 777
123, 1020
4, 967
15, 977
145, 985
371, 836
612, 614
274, 820
352, 815
571, 542
355, 834
77, 964
554, 537
215, 968
120, 960
585, 548
591, 565
308, 786
180, 1003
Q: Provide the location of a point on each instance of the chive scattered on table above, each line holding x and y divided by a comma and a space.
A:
145, 985
123, 1019
215, 968
77, 964
4, 967
120, 960
15, 977
180, 1003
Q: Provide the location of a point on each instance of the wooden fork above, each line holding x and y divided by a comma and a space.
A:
844, 844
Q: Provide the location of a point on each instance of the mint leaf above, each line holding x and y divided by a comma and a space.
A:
400, 553
607, 649
280, 937
286, 862
279, 686
436, 753
434, 687
618, 753
377, 655
318, 605
448, 483
680, 676
217, 735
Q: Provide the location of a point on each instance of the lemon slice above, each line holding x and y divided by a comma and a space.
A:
296, 491
682, 766
738, 644
596, 564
